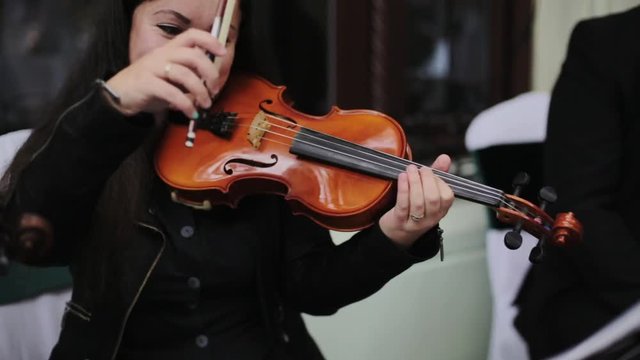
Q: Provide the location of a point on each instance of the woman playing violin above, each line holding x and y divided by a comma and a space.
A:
157, 279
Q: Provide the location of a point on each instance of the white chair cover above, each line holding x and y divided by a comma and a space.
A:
521, 120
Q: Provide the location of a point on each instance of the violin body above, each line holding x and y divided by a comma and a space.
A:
223, 170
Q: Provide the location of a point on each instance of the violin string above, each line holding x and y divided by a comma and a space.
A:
493, 193
454, 186
494, 196
399, 161
465, 184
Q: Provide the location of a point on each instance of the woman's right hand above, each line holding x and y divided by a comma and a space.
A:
177, 75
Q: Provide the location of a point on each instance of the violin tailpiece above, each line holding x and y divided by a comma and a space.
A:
221, 124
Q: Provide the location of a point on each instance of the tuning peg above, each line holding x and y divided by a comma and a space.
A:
547, 195
513, 239
519, 182
537, 254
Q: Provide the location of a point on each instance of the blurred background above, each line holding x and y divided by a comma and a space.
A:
433, 65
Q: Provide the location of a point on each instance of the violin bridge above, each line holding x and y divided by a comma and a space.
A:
258, 127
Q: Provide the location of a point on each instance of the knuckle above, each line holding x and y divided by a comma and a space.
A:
402, 207
176, 72
425, 170
192, 82
214, 43
193, 54
192, 32
449, 197
185, 34
187, 104
433, 201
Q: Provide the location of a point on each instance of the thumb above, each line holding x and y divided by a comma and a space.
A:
442, 162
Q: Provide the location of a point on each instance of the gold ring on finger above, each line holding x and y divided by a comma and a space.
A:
416, 217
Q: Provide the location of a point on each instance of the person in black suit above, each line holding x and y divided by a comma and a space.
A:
591, 158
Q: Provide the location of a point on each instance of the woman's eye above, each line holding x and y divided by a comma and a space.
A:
170, 29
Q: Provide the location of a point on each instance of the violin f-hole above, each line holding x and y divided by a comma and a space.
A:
249, 162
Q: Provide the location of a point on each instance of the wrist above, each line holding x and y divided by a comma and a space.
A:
111, 100
112, 97
429, 244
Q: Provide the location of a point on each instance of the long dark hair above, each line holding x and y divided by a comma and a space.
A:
124, 192
127, 191
105, 55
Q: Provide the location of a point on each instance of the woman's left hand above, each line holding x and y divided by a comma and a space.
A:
422, 200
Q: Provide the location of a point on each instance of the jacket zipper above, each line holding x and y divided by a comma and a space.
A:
58, 122
144, 282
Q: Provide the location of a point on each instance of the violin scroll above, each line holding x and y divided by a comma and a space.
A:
564, 230
567, 230
31, 241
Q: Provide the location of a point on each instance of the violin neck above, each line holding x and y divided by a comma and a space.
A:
335, 151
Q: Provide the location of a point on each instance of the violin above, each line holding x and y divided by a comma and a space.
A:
337, 169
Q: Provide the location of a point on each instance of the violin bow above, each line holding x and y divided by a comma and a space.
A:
219, 30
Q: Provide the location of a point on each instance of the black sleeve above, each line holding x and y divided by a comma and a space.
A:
578, 289
63, 181
322, 277
584, 161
